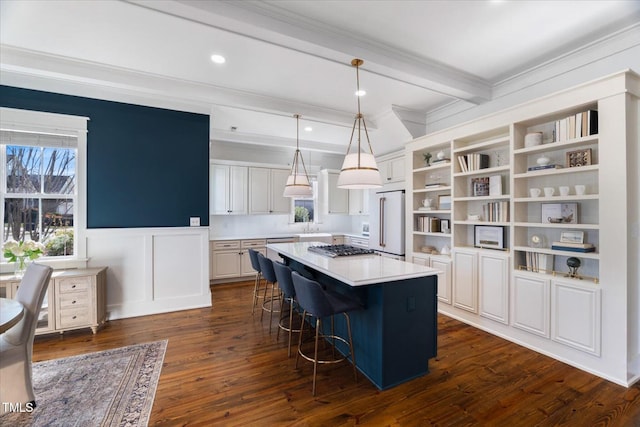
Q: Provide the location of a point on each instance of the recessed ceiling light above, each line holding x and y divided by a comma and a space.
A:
218, 59
308, 128
361, 92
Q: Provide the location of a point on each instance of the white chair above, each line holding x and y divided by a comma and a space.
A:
16, 344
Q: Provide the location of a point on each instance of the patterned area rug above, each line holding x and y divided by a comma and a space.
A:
108, 388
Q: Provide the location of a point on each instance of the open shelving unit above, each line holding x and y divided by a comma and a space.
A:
531, 293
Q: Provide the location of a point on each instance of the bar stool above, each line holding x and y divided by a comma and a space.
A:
255, 264
317, 302
269, 275
283, 274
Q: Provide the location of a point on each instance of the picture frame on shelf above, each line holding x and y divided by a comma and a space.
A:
579, 158
572, 237
489, 237
480, 186
444, 202
559, 213
444, 226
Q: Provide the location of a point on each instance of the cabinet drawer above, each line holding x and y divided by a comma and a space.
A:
231, 244
74, 299
258, 243
74, 284
74, 317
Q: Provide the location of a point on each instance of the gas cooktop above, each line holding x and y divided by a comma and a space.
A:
339, 250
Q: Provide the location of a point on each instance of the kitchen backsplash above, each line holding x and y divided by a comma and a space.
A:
247, 225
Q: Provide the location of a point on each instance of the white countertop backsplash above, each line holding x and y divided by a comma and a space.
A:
232, 227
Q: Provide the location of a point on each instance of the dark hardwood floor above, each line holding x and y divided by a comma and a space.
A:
224, 368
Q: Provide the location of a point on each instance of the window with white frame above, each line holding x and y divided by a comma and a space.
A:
40, 159
304, 208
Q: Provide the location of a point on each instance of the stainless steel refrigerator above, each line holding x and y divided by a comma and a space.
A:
386, 223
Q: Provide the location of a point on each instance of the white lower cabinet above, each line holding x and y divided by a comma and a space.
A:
443, 264
230, 258
444, 277
531, 303
575, 315
494, 286
465, 279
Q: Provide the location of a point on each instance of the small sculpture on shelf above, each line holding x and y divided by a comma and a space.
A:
574, 264
427, 159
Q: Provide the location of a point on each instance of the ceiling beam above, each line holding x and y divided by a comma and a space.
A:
271, 24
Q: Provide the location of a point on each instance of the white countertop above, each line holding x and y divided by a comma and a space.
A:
357, 270
281, 235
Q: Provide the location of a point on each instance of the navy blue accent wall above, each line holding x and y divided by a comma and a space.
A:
146, 167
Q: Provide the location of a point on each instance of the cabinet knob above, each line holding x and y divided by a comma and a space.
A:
73, 286
74, 317
73, 302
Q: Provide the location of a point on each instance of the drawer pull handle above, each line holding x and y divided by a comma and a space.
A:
73, 287
73, 302
74, 317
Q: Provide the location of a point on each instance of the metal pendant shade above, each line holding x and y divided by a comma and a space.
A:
359, 169
298, 184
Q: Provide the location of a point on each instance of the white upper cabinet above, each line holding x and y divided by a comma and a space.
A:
359, 202
228, 190
265, 191
333, 200
392, 170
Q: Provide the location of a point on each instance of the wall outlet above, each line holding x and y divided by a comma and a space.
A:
194, 221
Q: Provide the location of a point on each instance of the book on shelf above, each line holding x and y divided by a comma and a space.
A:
440, 162
543, 167
495, 185
496, 211
428, 224
537, 262
573, 248
435, 185
576, 126
473, 161
573, 244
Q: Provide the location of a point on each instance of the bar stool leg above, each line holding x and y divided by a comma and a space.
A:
304, 316
256, 292
353, 353
315, 355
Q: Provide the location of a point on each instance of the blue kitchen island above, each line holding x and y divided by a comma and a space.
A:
395, 334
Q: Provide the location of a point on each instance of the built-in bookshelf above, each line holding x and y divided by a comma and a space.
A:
481, 179
432, 201
549, 185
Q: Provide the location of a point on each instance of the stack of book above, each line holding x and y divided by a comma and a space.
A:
473, 161
440, 162
576, 126
428, 224
573, 247
539, 167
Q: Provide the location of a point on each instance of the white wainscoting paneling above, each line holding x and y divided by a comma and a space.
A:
152, 270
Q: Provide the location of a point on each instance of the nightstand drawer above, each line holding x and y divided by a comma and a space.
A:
74, 299
74, 284
74, 317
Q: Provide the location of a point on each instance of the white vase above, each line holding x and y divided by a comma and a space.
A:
543, 160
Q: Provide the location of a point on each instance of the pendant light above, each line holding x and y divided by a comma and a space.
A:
359, 169
298, 181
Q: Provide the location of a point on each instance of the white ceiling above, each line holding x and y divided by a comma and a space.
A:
286, 57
